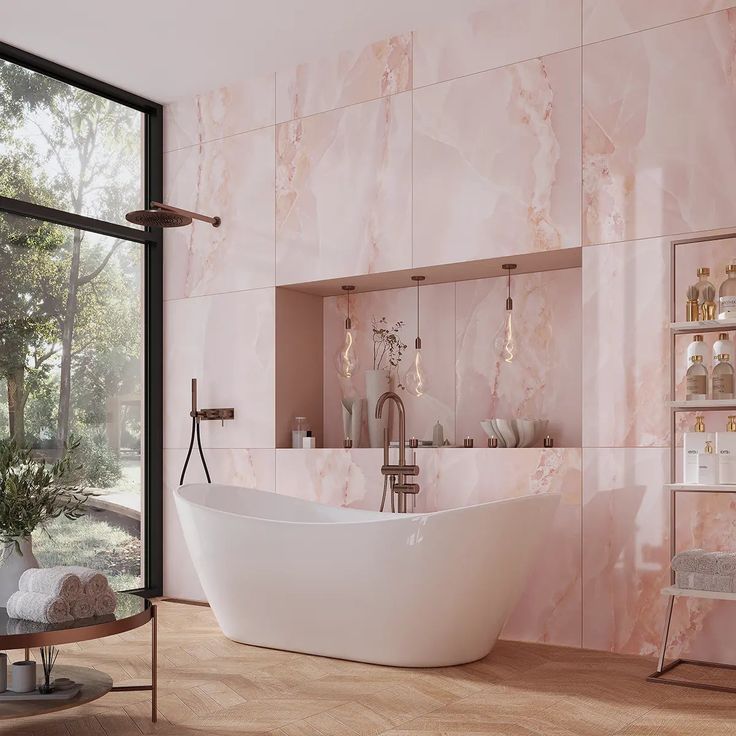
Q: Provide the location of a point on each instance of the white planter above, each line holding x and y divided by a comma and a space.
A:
352, 419
13, 565
376, 383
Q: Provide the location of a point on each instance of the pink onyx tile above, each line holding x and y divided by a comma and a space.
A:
343, 191
226, 341
657, 143
550, 607
233, 179
379, 69
437, 318
625, 548
497, 162
543, 380
219, 113
249, 468
336, 477
626, 347
511, 31
604, 19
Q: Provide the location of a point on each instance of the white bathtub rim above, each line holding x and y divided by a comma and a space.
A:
385, 517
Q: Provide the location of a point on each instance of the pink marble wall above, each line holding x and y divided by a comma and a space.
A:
455, 143
496, 162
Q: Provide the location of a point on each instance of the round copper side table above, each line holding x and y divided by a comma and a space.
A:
131, 613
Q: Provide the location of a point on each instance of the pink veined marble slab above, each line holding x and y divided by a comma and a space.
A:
346, 78
604, 19
226, 341
233, 179
343, 191
657, 143
219, 113
496, 162
512, 31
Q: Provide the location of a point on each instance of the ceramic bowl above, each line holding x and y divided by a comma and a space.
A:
515, 432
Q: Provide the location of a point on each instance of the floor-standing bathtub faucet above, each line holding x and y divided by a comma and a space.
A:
397, 473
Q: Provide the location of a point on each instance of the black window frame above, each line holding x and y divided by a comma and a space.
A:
152, 241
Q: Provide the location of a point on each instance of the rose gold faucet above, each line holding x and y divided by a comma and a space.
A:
401, 488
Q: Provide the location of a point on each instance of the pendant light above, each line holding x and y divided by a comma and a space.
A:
505, 341
415, 381
346, 359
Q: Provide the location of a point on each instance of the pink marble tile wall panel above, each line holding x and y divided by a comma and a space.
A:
437, 316
380, 69
550, 608
497, 162
334, 476
252, 468
625, 548
510, 31
626, 345
226, 342
219, 113
343, 191
234, 179
657, 143
543, 381
604, 19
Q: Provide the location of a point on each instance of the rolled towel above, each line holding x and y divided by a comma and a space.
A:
105, 603
82, 607
687, 561
713, 583
93, 581
684, 580
726, 564
58, 582
44, 609
707, 563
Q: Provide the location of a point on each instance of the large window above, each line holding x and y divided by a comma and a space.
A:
80, 307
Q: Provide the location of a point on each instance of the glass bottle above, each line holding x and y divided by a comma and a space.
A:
702, 284
299, 432
727, 294
696, 380
723, 378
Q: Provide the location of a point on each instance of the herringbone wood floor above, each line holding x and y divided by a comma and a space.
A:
211, 686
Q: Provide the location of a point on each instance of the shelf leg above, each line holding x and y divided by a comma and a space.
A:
154, 663
665, 633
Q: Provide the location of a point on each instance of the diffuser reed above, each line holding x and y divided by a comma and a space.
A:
48, 660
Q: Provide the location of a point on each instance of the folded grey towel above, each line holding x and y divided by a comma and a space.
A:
44, 609
707, 563
726, 563
93, 581
105, 603
713, 583
54, 581
684, 580
686, 561
81, 607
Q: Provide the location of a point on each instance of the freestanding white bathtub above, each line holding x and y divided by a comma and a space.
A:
415, 590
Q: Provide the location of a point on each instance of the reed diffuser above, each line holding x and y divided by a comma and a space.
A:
48, 660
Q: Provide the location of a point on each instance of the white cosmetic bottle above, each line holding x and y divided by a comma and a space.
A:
696, 347
722, 346
707, 466
726, 453
693, 444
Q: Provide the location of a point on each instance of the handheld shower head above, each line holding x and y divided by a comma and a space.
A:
164, 215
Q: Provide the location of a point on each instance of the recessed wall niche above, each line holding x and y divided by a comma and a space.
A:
460, 319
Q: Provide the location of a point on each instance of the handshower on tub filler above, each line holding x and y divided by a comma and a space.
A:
197, 416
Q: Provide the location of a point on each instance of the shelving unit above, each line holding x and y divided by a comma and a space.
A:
671, 591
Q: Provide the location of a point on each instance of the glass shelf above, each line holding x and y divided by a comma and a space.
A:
688, 593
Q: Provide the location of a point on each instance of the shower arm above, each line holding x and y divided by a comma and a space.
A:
214, 221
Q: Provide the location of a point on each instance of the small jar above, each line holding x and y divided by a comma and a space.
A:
299, 432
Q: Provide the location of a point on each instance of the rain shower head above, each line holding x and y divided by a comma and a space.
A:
164, 215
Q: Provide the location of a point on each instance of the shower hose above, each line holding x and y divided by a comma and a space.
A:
195, 430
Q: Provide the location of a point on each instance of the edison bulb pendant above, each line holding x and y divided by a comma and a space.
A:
505, 342
415, 380
346, 359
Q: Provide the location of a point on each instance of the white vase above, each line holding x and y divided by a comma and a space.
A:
352, 419
376, 383
13, 565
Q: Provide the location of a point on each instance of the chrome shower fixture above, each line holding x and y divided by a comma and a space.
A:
164, 215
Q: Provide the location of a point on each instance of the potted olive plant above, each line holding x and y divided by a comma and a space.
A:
32, 494
387, 351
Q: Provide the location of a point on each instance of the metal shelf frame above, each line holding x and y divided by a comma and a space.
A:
676, 407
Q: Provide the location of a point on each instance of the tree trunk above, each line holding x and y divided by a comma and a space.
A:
67, 338
16, 405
